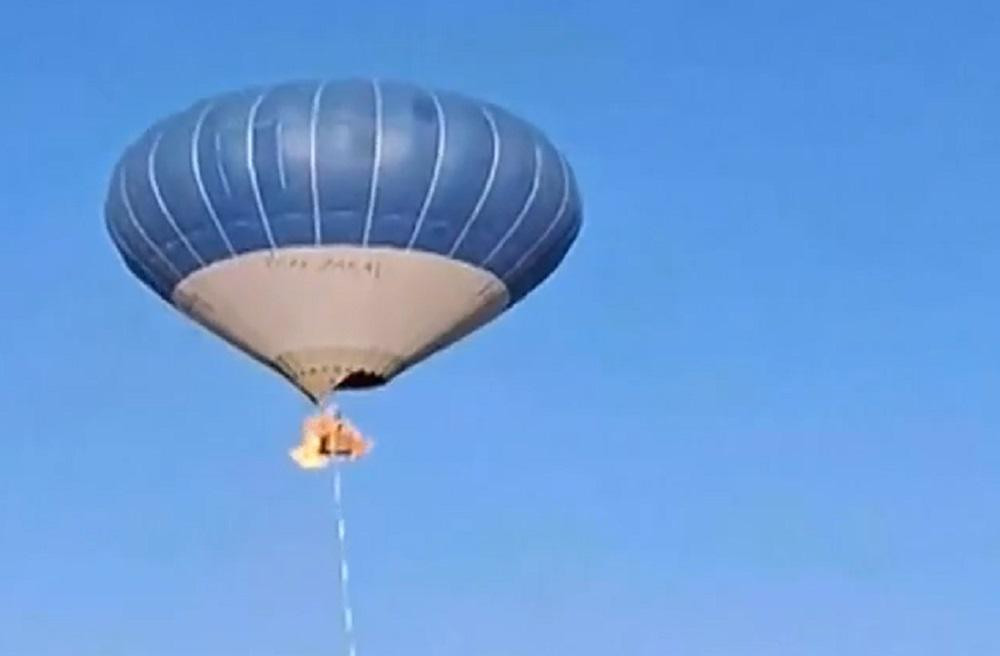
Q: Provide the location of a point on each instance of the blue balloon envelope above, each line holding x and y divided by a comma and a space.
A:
342, 231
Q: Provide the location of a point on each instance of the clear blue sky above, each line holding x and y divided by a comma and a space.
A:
754, 413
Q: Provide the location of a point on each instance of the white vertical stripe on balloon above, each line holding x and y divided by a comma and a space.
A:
252, 169
559, 214
313, 172
436, 173
154, 185
142, 231
487, 185
528, 202
220, 165
376, 162
200, 182
122, 245
279, 153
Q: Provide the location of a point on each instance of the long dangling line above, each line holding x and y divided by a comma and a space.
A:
345, 597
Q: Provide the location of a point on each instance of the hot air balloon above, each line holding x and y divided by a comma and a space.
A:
340, 232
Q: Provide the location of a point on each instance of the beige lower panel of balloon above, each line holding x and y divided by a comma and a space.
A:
319, 314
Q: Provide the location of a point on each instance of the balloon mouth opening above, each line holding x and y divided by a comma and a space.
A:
359, 380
